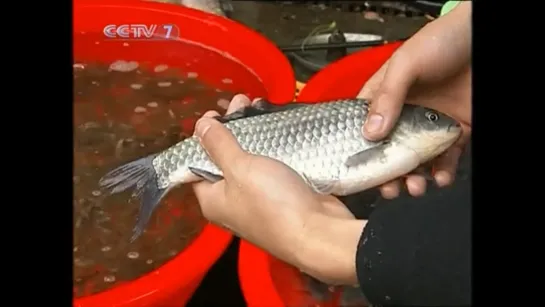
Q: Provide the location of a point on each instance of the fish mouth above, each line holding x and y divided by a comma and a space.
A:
431, 146
454, 127
455, 131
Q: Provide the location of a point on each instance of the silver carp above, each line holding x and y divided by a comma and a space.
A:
322, 142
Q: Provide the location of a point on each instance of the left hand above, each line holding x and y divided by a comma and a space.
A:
267, 203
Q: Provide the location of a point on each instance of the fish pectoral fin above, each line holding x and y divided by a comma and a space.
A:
260, 107
208, 176
366, 155
320, 186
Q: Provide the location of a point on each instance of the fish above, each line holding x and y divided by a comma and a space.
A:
322, 142
218, 7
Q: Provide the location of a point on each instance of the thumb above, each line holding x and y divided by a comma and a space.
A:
373, 84
388, 100
219, 142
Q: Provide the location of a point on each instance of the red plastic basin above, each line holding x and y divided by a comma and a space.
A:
342, 79
174, 282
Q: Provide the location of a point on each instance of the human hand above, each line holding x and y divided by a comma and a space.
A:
431, 69
267, 203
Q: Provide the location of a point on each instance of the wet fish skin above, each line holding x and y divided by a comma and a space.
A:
322, 142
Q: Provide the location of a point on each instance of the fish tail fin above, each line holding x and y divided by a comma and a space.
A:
141, 176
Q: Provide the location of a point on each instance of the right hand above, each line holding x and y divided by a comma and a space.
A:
431, 69
267, 203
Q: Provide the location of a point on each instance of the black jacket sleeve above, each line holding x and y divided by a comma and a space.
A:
417, 251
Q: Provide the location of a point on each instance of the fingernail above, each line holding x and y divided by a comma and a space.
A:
373, 123
202, 127
442, 178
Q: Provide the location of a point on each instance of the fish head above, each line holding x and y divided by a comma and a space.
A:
427, 132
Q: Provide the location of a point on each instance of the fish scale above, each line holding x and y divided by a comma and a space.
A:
322, 142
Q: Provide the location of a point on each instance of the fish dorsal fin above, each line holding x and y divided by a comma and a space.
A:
260, 107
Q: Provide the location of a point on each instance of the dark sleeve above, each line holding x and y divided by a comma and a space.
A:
417, 251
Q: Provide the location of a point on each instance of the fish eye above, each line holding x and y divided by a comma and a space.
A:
432, 116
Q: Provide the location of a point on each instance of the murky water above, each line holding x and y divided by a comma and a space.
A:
125, 110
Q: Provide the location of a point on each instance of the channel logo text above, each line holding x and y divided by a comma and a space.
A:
141, 31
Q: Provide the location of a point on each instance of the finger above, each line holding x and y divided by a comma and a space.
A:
223, 103
390, 97
211, 114
390, 190
256, 100
416, 185
219, 143
211, 199
372, 85
423, 171
238, 102
445, 166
